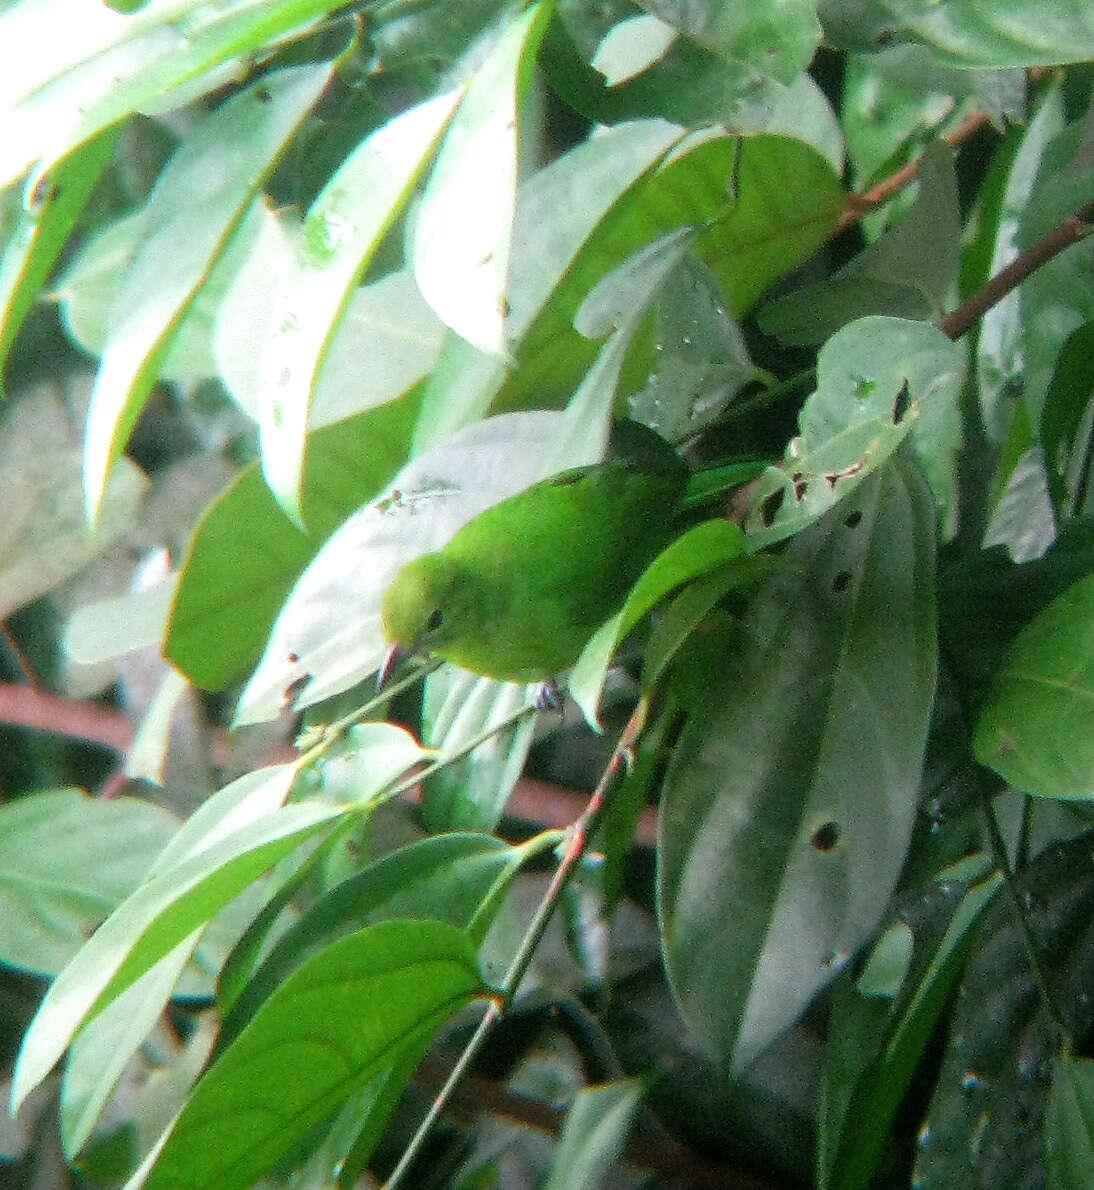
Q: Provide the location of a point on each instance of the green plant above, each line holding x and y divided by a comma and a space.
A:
352, 274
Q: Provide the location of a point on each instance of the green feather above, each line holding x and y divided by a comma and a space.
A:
519, 590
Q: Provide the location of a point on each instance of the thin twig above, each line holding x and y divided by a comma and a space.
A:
580, 833
863, 204
1074, 228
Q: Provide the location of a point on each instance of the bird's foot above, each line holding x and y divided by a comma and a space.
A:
549, 698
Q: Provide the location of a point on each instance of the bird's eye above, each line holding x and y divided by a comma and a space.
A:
435, 620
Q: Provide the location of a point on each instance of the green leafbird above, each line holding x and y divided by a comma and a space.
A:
519, 590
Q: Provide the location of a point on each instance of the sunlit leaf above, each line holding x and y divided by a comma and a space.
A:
329, 630
245, 554
198, 202
463, 236
340, 234
180, 897
40, 234
83, 67
318, 1040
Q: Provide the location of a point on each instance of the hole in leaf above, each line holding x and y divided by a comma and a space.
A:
853, 519
900, 405
771, 506
839, 583
436, 619
847, 472
826, 838
800, 486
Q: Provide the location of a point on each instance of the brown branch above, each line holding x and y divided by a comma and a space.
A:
1071, 231
555, 806
27, 706
863, 204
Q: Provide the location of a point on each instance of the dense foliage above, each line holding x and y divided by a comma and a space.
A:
290, 291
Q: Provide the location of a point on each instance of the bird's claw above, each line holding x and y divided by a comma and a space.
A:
549, 698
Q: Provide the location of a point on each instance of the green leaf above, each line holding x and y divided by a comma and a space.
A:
791, 795
456, 878
359, 1126
907, 272
109, 628
1018, 33
593, 1134
327, 1030
88, 292
978, 627
1037, 729
615, 307
329, 630
198, 203
1055, 299
40, 234
470, 793
876, 379
775, 36
100, 1052
341, 232
558, 209
875, 1050
404, 335
66, 862
764, 204
678, 79
464, 231
687, 611
1066, 402
245, 554
631, 47
374, 757
61, 91
181, 896
1069, 1125
1024, 517
697, 552
896, 98
1000, 366
701, 361
993, 1085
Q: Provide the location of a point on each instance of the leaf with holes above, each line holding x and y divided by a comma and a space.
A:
791, 796
878, 380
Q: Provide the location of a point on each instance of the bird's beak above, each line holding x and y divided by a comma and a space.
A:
393, 658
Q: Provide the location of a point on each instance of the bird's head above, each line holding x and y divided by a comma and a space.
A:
419, 609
